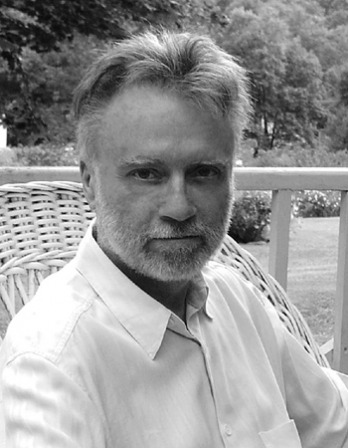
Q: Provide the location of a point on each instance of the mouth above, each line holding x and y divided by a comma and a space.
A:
176, 241
184, 237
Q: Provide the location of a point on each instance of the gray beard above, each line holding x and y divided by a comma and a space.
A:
132, 246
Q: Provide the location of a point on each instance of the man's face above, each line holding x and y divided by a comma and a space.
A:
162, 184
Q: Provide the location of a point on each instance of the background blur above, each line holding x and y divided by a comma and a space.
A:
296, 54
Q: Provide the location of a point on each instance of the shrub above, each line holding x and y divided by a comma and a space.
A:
250, 216
7, 157
46, 155
308, 204
293, 155
252, 212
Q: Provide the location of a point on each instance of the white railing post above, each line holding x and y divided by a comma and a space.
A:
279, 237
3, 135
340, 352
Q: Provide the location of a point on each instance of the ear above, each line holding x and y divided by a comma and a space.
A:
88, 182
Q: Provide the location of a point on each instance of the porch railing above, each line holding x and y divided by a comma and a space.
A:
282, 182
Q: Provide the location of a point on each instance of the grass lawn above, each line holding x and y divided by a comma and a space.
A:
312, 271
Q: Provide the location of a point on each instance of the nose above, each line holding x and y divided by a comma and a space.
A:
176, 205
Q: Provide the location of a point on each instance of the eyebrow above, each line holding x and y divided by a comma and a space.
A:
211, 162
139, 160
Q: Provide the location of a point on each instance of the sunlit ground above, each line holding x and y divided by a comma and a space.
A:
312, 270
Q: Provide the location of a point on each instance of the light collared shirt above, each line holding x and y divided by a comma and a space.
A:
94, 362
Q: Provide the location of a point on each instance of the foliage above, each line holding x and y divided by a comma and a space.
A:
7, 157
295, 53
316, 204
337, 128
40, 25
250, 216
251, 213
51, 79
41, 155
293, 155
30, 30
286, 78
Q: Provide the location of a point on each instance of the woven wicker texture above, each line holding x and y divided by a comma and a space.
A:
41, 225
232, 254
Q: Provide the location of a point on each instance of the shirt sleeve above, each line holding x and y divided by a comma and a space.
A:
43, 407
316, 397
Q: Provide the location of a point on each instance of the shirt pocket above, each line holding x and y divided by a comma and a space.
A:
284, 436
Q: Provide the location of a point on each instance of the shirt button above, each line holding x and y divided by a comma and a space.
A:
228, 430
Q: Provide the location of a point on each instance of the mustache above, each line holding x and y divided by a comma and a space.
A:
178, 230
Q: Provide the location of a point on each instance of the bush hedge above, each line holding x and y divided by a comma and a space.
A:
250, 216
292, 155
252, 212
41, 155
310, 204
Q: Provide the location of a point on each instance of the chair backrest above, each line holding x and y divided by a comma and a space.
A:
41, 225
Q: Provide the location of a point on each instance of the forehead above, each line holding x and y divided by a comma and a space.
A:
148, 122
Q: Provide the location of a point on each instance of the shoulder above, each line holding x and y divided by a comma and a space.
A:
231, 283
46, 323
228, 285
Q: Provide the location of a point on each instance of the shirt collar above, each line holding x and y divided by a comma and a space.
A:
142, 316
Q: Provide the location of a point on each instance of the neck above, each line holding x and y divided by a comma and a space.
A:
171, 294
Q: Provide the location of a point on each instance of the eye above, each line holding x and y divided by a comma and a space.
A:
206, 172
145, 174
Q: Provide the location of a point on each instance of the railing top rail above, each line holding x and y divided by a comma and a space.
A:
18, 174
291, 178
245, 178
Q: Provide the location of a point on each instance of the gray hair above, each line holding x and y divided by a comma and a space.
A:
189, 65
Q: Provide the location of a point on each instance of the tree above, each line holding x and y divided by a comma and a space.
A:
295, 53
300, 99
41, 26
337, 127
29, 27
51, 78
257, 38
286, 78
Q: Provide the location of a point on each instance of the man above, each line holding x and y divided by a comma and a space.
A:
140, 341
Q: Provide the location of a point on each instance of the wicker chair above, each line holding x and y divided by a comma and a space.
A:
41, 225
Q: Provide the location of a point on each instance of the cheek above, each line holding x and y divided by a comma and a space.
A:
134, 208
220, 207
214, 201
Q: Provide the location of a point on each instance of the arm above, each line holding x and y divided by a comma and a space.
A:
43, 407
316, 397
